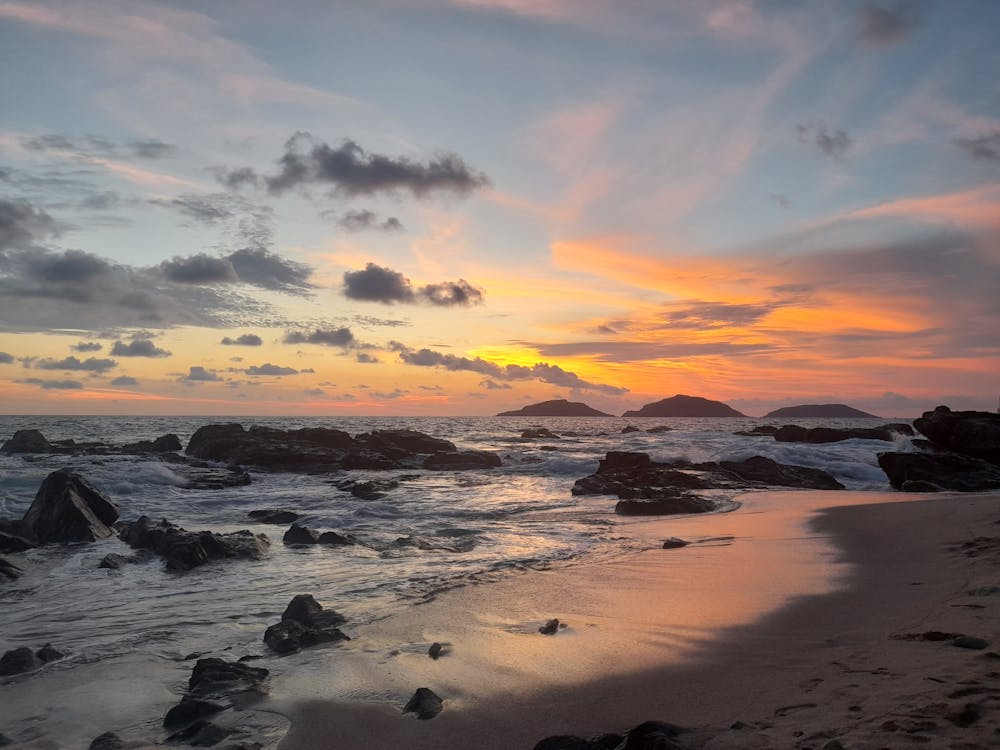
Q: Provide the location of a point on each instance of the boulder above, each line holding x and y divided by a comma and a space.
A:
14, 542
273, 516
298, 534
761, 470
183, 550
972, 433
67, 508
114, 561
664, 506
217, 678
462, 460
27, 441
404, 442
189, 710
9, 570
18, 661
932, 472
425, 703
107, 741
550, 627
304, 623
370, 489
674, 543
793, 433
200, 734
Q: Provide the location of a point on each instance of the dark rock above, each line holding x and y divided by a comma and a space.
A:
967, 716
972, 433
792, 433
5, 740
462, 460
67, 508
10, 542
287, 450
200, 734
46, 654
372, 489
163, 444
551, 627
198, 477
183, 550
217, 678
297, 534
399, 443
26, 441
435, 651
114, 561
304, 608
664, 506
536, 433
304, 623
273, 516
652, 735
564, 742
685, 406
763, 471
675, 543
759, 430
424, 703
336, 539
107, 741
423, 543
970, 641
948, 471
9, 570
190, 710
559, 407
19, 660
825, 411
659, 429
630, 428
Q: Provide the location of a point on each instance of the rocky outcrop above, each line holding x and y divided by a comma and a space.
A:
462, 460
556, 408
304, 623
67, 508
323, 449
649, 488
212, 688
821, 411
27, 441
425, 703
685, 406
972, 433
23, 659
298, 535
8, 570
792, 433
272, 515
12, 537
33, 441
183, 550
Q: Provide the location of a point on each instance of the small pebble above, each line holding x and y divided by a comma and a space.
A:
550, 627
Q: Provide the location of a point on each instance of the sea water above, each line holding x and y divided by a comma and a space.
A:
126, 633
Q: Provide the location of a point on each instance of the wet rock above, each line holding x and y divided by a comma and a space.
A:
18, 661
971, 642
425, 703
435, 651
551, 627
46, 654
163, 444
298, 534
926, 472
26, 441
11, 542
304, 623
372, 489
286, 450
5, 740
217, 678
460, 460
190, 710
431, 545
762, 471
791, 433
336, 539
200, 734
675, 543
271, 515
652, 735
198, 477
758, 431
968, 715
107, 741
403, 442
9, 570
114, 561
67, 508
680, 504
536, 433
630, 428
183, 550
571, 742
971, 433
659, 429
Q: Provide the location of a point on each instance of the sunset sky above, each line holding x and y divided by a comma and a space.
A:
410, 207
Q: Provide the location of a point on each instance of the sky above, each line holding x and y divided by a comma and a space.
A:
459, 207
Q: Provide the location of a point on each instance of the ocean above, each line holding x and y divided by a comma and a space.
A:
126, 633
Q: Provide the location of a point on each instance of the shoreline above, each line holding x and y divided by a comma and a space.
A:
802, 669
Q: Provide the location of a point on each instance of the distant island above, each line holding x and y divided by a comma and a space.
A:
685, 406
834, 411
558, 408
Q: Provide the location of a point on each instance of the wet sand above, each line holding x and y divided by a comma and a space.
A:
786, 631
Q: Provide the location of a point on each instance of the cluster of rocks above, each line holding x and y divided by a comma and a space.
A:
33, 441
303, 535
650, 735
183, 550
304, 623
961, 453
646, 487
23, 659
793, 433
325, 449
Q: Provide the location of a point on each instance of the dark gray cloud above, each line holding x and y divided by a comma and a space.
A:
547, 373
198, 374
152, 148
637, 351
707, 315
61, 385
350, 170
834, 143
124, 380
91, 364
267, 369
247, 339
205, 209
372, 321
887, 22
138, 347
199, 269
367, 359
984, 147
268, 270
376, 283
92, 145
6, 359
22, 226
342, 337
492, 385
87, 346
360, 220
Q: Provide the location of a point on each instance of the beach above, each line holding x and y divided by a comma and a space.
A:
835, 598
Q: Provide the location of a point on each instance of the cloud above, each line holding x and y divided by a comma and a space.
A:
708, 315
492, 385
376, 283
6, 359
351, 171
334, 337
367, 359
314, 392
834, 143
887, 23
269, 369
87, 346
547, 373
247, 339
61, 385
984, 147
91, 364
358, 221
152, 149
138, 347
372, 321
124, 380
22, 225
91, 145
268, 270
198, 374
198, 269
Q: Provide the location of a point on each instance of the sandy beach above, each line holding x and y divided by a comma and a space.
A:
782, 625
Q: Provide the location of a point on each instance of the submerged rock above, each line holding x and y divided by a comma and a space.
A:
792, 433
9, 570
189, 710
462, 460
304, 623
535, 433
425, 703
200, 734
269, 515
114, 561
67, 508
14, 542
183, 550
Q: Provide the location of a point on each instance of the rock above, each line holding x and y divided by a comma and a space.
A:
424, 703
462, 460
190, 710
921, 472
46, 654
273, 516
675, 543
659, 429
664, 506
9, 570
371, 489
429, 545
971, 433
18, 661
200, 734
336, 539
27, 441
971, 642
551, 627
967, 716
403, 442
67, 508
5, 740
284, 450
217, 678
685, 406
759, 430
629, 428
163, 444
10, 542
107, 741
812, 411
435, 651
304, 623
652, 735
197, 477
559, 407
536, 433
792, 433
297, 534
566, 742
760, 470
114, 561
183, 550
